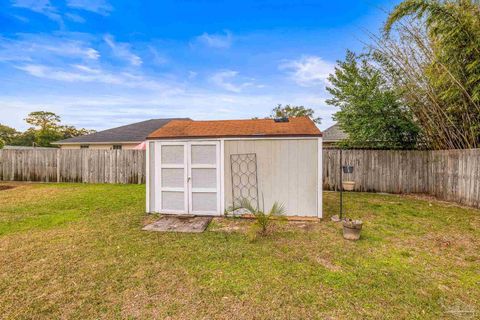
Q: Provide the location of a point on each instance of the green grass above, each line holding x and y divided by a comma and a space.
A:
77, 251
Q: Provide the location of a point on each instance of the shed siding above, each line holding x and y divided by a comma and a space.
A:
287, 172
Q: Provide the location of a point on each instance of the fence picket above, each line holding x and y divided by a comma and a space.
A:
452, 175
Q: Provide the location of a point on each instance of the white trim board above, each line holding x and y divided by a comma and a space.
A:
236, 139
147, 177
320, 178
222, 176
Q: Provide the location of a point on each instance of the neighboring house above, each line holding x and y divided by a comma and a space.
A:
25, 148
208, 167
333, 135
124, 137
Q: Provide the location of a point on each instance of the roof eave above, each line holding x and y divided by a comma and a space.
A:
102, 142
319, 135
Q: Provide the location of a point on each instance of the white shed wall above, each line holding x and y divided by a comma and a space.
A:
287, 172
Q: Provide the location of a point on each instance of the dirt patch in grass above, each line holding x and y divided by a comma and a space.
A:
432, 199
328, 264
5, 187
229, 225
242, 225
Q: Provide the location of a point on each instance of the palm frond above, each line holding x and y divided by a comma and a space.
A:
245, 204
278, 209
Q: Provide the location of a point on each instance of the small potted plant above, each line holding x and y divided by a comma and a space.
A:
352, 229
348, 185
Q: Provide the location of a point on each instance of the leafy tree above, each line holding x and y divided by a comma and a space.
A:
44, 138
71, 131
431, 50
46, 128
294, 111
43, 119
371, 112
26, 138
46, 125
7, 134
2, 143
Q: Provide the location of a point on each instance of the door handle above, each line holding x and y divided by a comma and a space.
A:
188, 179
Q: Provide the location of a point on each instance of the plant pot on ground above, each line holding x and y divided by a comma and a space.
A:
352, 229
348, 185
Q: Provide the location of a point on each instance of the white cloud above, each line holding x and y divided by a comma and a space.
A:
98, 6
308, 70
92, 54
122, 50
101, 111
83, 73
158, 58
75, 17
101, 107
41, 47
34, 5
217, 40
224, 79
21, 18
40, 6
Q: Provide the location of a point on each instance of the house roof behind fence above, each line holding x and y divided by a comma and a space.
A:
135, 132
295, 127
334, 134
7, 147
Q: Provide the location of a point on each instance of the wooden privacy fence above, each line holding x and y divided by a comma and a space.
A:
452, 175
91, 166
378, 170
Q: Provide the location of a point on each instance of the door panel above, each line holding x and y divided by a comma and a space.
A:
173, 154
173, 177
173, 201
204, 179
189, 177
204, 154
204, 201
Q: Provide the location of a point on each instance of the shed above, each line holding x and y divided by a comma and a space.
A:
208, 167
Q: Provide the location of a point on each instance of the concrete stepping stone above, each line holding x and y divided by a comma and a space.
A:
192, 224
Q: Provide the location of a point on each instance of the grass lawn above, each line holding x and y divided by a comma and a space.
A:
76, 251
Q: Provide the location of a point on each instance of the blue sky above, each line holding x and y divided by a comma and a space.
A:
101, 63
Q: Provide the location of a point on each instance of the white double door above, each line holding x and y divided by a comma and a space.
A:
189, 177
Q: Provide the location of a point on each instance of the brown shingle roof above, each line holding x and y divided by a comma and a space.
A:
300, 127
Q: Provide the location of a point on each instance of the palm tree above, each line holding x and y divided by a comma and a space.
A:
263, 219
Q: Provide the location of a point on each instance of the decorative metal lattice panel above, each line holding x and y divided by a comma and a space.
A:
244, 178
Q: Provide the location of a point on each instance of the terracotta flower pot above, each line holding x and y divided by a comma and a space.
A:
348, 185
352, 229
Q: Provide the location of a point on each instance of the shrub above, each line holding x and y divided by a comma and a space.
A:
264, 220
